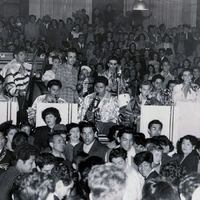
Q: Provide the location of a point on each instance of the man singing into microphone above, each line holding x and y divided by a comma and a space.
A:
100, 107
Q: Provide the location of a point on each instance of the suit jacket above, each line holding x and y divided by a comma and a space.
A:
42, 137
97, 149
190, 162
79, 49
153, 175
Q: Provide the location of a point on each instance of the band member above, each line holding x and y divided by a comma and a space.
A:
100, 107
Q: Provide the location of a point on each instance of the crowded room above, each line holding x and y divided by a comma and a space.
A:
100, 100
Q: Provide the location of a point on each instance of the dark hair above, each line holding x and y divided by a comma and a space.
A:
170, 82
19, 139
143, 156
112, 131
191, 138
164, 140
18, 50
23, 124
80, 156
10, 128
157, 76
186, 70
138, 37
24, 151
159, 190
53, 111
69, 127
84, 124
44, 159
145, 83
54, 82
51, 136
113, 58
2, 79
72, 50
118, 152
125, 130
155, 121
62, 172
139, 139
172, 172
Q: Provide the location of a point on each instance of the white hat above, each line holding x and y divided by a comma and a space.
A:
86, 67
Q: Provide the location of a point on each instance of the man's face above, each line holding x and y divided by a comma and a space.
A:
187, 77
126, 141
166, 67
28, 165
100, 88
20, 57
196, 73
161, 53
54, 90
88, 135
155, 130
145, 168
58, 143
119, 162
158, 84
112, 64
71, 58
145, 90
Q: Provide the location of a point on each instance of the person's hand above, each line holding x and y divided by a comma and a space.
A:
49, 98
90, 115
22, 93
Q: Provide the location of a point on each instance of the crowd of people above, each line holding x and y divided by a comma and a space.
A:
91, 63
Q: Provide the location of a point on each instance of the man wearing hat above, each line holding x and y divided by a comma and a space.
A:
100, 107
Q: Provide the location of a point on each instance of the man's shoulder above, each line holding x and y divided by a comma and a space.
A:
100, 145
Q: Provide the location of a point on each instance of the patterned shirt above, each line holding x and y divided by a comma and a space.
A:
17, 78
68, 77
108, 107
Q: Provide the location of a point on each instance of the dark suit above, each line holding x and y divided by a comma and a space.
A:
81, 49
42, 137
153, 175
97, 149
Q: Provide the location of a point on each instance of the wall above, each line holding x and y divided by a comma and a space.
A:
170, 12
58, 9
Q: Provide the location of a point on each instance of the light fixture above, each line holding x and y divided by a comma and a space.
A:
140, 5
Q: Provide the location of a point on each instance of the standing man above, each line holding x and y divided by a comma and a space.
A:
68, 76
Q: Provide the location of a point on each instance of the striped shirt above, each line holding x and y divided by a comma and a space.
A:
17, 78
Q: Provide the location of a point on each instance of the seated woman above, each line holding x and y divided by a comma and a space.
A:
187, 155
